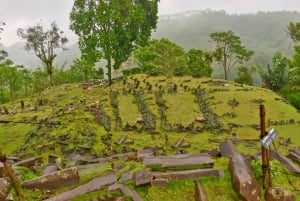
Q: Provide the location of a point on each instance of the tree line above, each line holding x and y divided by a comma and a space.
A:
115, 31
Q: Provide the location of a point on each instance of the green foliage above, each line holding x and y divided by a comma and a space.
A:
112, 29
229, 50
199, 63
43, 43
294, 31
294, 99
161, 56
244, 76
131, 71
275, 76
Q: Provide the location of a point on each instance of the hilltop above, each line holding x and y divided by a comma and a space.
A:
98, 121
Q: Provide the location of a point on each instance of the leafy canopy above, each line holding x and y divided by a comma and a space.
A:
161, 57
43, 43
275, 76
199, 63
229, 50
111, 29
294, 31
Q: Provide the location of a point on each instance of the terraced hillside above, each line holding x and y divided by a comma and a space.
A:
175, 115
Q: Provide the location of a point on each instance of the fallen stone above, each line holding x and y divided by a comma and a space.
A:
126, 176
200, 194
94, 185
227, 149
54, 180
243, 179
4, 188
29, 163
142, 177
126, 191
141, 154
285, 161
179, 161
279, 194
159, 182
294, 154
1, 170
187, 174
50, 168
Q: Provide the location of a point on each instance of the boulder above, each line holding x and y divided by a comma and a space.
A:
279, 194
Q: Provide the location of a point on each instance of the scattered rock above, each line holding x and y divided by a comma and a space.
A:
142, 177
279, 194
243, 179
200, 194
54, 180
94, 185
4, 188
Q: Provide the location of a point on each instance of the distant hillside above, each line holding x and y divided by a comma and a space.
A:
19, 56
265, 33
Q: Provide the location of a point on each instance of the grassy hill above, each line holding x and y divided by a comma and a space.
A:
76, 118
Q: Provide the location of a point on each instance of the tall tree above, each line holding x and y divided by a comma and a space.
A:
111, 29
199, 62
229, 50
44, 43
294, 31
161, 56
275, 76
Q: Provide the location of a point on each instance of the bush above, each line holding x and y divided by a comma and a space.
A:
132, 71
294, 99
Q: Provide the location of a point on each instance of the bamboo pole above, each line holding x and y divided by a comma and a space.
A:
264, 151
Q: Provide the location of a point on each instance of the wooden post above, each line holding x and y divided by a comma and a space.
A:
264, 151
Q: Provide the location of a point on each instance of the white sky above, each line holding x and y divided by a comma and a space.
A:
23, 13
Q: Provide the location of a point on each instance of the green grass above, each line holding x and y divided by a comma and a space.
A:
182, 109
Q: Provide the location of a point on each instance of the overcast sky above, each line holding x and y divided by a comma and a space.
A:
23, 13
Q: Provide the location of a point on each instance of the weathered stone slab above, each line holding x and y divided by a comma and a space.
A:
94, 185
187, 174
227, 148
177, 161
285, 161
294, 154
243, 179
126, 191
142, 177
126, 176
141, 154
1, 170
54, 180
4, 189
160, 182
29, 163
279, 194
50, 168
200, 193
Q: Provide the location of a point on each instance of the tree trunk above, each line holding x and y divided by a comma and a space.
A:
109, 71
